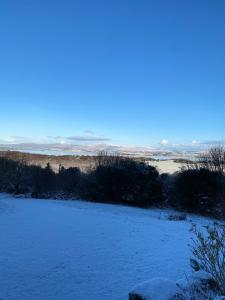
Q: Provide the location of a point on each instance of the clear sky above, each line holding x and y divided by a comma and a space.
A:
130, 72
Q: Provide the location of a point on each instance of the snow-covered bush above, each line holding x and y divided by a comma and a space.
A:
197, 286
209, 254
155, 289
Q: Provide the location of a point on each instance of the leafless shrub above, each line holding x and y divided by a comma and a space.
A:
209, 254
196, 291
213, 160
105, 159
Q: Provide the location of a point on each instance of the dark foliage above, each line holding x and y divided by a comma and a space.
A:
12, 175
167, 181
200, 191
43, 180
68, 179
116, 179
122, 180
19, 178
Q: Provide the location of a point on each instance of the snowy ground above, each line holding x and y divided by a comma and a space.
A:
167, 166
78, 250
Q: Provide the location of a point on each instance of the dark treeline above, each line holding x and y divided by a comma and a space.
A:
113, 179
199, 187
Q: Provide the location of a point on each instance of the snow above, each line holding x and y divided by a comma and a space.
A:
167, 166
157, 289
51, 249
193, 279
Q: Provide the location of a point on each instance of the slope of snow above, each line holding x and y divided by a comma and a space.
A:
78, 250
157, 289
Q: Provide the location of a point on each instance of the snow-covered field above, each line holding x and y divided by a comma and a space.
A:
167, 166
78, 250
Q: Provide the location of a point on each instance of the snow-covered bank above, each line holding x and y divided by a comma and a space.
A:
78, 250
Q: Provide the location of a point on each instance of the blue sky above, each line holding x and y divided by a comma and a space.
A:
121, 72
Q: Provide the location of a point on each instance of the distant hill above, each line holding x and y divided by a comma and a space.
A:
94, 149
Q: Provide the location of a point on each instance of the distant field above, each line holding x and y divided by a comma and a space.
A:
82, 162
167, 166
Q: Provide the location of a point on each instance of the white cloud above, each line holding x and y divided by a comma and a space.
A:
15, 139
194, 142
89, 136
164, 142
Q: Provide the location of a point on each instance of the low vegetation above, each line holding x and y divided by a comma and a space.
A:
199, 187
117, 179
113, 179
208, 251
199, 191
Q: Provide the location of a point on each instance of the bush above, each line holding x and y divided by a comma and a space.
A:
68, 179
19, 178
167, 185
114, 179
12, 176
117, 179
199, 191
212, 160
43, 180
209, 254
123, 180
